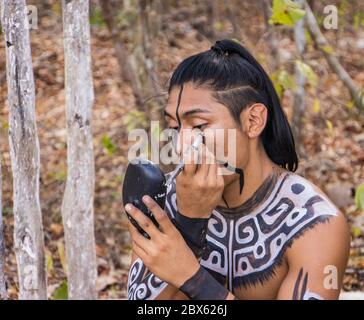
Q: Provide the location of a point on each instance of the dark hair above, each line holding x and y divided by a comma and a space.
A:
237, 81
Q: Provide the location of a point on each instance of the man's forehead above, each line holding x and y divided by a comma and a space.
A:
187, 109
191, 98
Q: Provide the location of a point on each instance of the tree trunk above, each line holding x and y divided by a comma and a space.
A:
77, 206
299, 107
24, 153
136, 59
212, 12
144, 7
155, 101
3, 293
232, 8
272, 37
109, 11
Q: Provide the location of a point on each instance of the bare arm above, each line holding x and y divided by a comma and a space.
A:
317, 262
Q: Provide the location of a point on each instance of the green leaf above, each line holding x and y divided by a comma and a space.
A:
282, 80
218, 26
61, 293
329, 125
316, 106
96, 18
57, 8
350, 104
328, 49
356, 232
308, 37
236, 40
359, 197
134, 119
286, 80
108, 145
5, 125
7, 211
296, 14
62, 255
307, 71
286, 12
49, 262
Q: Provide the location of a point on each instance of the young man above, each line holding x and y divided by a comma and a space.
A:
263, 232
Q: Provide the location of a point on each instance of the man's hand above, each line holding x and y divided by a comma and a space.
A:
200, 185
166, 253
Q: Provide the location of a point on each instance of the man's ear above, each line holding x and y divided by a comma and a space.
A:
255, 119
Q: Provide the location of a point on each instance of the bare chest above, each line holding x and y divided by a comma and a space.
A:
245, 256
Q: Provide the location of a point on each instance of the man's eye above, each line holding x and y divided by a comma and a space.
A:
200, 126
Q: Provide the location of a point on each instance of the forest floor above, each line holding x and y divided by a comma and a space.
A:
333, 140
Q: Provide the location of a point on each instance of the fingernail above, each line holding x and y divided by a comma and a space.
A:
128, 207
146, 199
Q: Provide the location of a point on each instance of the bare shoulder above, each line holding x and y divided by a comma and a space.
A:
326, 242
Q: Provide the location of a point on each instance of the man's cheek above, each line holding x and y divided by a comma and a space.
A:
210, 141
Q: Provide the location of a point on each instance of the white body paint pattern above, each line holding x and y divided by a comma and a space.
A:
142, 287
245, 249
311, 296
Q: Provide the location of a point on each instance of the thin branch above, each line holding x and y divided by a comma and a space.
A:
3, 292
300, 92
323, 45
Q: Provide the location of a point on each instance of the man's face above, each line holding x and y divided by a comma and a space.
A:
199, 110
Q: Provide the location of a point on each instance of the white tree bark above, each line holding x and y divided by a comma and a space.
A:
300, 93
24, 152
3, 292
77, 206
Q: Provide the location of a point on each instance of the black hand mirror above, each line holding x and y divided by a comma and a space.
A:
143, 177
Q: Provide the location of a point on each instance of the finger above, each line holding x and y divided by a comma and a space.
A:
139, 239
139, 251
159, 214
220, 170
144, 222
215, 174
213, 171
220, 175
208, 159
206, 167
141, 246
203, 165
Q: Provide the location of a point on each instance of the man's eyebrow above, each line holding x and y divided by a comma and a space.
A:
189, 112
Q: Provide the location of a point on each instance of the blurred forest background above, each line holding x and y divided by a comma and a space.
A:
135, 47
